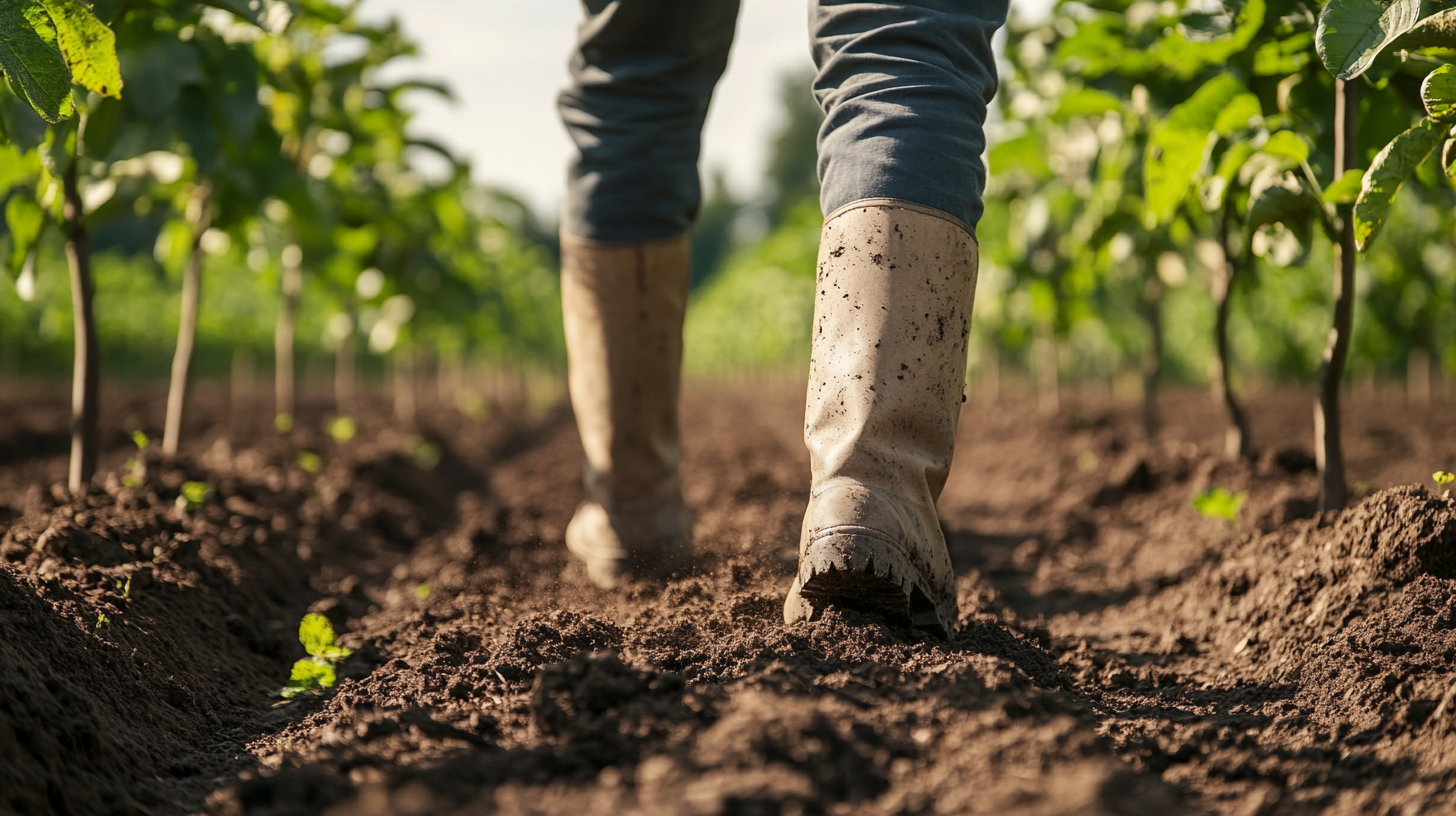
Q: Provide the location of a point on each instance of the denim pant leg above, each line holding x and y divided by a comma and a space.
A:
641, 78
904, 85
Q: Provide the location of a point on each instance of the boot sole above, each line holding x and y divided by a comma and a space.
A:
856, 568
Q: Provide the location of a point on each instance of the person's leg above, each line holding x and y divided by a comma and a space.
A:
642, 76
905, 87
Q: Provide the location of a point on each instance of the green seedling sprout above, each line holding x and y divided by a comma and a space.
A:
136, 468
124, 588
194, 494
342, 429
422, 591
1442, 479
102, 622
1216, 502
315, 672
283, 423
309, 461
426, 454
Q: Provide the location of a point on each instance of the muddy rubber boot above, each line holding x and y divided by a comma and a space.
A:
623, 307
886, 379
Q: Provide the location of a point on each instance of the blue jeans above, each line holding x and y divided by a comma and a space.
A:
904, 85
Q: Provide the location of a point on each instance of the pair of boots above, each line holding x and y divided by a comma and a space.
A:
891, 317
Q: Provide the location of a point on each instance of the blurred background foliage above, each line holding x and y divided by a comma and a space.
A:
312, 162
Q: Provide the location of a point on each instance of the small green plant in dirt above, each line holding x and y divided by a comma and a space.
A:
124, 587
1217, 502
1442, 479
342, 429
194, 495
283, 423
102, 622
422, 591
136, 467
309, 461
426, 453
315, 672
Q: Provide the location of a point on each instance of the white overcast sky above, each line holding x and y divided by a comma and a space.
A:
506, 61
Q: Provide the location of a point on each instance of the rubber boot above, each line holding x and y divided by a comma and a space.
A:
623, 308
886, 382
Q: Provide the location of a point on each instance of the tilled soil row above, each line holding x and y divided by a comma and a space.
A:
1120, 654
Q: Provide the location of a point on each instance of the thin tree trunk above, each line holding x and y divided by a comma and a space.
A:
187, 328
86, 377
1328, 447
240, 387
1238, 442
344, 368
404, 384
1044, 369
283, 377
1152, 357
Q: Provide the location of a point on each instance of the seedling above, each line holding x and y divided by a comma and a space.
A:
283, 423
102, 622
194, 495
309, 461
1442, 479
422, 591
342, 429
315, 672
137, 469
425, 453
1216, 502
124, 588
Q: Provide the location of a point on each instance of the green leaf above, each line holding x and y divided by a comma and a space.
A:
1346, 188
318, 638
1179, 143
1085, 102
1448, 157
1215, 187
1352, 33
309, 675
1435, 31
1438, 93
1217, 502
1238, 114
1287, 145
26, 220
32, 60
1286, 203
88, 46
1395, 163
16, 166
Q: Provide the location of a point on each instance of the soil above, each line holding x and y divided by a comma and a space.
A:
1120, 654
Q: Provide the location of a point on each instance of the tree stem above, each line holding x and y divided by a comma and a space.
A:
1329, 451
187, 327
283, 378
86, 376
1152, 367
1238, 440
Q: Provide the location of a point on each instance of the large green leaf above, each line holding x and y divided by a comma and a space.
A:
1288, 146
1438, 92
1244, 111
1352, 33
1435, 31
88, 46
1346, 188
16, 166
1179, 143
1392, 166
25, 219
32, 60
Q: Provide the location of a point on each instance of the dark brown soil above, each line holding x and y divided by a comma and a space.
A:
1120, 655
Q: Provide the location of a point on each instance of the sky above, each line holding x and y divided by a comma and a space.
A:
506, 61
